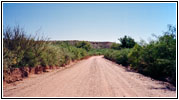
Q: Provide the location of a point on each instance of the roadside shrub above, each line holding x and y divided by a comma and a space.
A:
29, 59
16, 43
156, 59
74, 52
122, 57
116, 46
20, 50
9, 58
119, 56
134, 57
110, 54
84, 44
97, 52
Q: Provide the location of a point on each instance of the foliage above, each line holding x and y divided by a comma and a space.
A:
84, 44
97, 52
116, 46
9, 58
127, 42
134, 57
119, 56
73, 51
156, 59
20, 50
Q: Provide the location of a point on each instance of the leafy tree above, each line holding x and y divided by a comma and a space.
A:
127, 42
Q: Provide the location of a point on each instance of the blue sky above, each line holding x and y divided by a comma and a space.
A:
91, 21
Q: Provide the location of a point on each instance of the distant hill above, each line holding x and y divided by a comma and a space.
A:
98, 45
94, 44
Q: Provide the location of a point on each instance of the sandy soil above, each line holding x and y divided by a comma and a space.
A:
93, 77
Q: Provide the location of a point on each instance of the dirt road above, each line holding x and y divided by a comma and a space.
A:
93, 77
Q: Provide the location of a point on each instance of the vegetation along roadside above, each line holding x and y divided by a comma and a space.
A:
24, 54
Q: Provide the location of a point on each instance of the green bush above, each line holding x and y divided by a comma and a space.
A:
20, 50
9, 58
134, 57
97, 52
122, 57
119, 56
156, 59
74, 52
84, 44
110, 54
116, 46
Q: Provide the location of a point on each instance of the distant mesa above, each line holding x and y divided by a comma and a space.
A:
94, 44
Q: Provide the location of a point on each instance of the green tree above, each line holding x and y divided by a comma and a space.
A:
127, 42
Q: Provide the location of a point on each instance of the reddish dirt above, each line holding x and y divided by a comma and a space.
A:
92, 77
